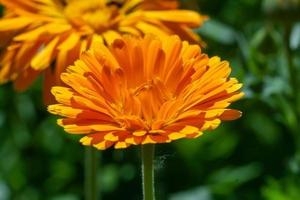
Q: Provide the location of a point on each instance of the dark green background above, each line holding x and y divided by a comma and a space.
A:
255, 157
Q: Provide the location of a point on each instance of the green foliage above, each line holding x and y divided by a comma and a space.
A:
287, 189
255, 157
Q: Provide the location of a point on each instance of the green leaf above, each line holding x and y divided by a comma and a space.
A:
218, 31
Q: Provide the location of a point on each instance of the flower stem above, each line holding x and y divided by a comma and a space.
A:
293, 83
148, 172
90, 174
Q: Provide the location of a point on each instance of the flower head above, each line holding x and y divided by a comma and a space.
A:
48, 35
139, 91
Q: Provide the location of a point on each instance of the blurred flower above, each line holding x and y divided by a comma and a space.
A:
148, 90
48, 35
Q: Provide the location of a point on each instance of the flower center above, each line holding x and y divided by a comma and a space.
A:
99, 15
152, 94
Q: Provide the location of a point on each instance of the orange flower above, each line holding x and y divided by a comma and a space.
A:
139, 91
48, 35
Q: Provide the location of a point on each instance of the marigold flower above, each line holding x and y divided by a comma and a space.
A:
48, 35
139, 91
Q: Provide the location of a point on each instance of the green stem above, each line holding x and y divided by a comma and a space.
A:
91, 188
293, 75
148, 172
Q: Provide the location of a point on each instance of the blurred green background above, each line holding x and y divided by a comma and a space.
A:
255, 157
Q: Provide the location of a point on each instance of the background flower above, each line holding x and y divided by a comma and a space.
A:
48, 35
141, 91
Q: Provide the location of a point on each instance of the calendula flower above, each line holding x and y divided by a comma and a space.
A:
140, 91
48, 35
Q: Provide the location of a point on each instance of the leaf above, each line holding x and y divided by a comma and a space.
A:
200, 193
295, 37
218, 31
226, 180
